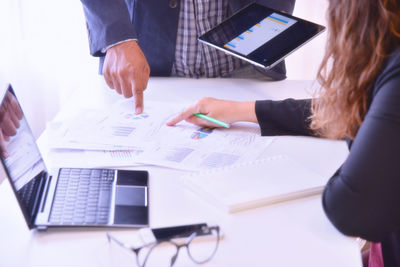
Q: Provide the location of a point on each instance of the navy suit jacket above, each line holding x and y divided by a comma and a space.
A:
154, 24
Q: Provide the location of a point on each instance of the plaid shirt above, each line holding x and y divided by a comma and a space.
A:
192, 58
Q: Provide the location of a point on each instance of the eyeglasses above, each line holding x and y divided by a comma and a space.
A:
201, 246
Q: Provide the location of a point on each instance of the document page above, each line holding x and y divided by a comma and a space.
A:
116, 128
191, 147
184, 146
81, 158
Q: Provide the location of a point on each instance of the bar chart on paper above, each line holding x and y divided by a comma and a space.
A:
260, 33
119, 137
121, 131
93, 158
122, 154
219, 159
189, 147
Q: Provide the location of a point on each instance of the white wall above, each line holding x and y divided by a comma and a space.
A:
44, 52
304, 63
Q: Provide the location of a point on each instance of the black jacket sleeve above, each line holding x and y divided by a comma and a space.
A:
362, 198
286, 117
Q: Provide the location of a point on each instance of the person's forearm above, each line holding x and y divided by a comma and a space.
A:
245, 111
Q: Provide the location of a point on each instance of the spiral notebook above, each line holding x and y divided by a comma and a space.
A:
254, 184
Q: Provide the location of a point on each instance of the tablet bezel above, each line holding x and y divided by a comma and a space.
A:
313, 30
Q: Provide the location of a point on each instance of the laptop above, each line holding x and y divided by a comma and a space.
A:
66, 197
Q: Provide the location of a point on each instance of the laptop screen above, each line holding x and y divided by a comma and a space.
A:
19, 153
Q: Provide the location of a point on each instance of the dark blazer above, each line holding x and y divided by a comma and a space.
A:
362, 198
154, 23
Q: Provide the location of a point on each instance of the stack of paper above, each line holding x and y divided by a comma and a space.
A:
118, 137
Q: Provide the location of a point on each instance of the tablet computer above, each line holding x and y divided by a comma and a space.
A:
261, 35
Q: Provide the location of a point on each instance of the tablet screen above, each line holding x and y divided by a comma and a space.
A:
261, 35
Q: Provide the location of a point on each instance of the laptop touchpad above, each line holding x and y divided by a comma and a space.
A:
130, 196
131, 199
131, 205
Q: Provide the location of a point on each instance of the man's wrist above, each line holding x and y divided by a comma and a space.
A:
104, 50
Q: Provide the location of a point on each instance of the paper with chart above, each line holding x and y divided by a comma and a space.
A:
184, 146
80, 158
115, 128
191, 147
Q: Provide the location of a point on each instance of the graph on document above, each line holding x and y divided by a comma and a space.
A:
134, 117
201, 133
173, 154
218, 159
121, 131
122, 154
260, 33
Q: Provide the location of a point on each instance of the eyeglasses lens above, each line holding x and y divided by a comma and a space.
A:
159, 255
203, 248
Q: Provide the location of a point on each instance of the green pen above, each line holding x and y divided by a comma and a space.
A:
221, 123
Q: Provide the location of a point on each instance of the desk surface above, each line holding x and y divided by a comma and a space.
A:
294, 233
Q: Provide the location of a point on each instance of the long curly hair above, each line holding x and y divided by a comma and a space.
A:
362, 35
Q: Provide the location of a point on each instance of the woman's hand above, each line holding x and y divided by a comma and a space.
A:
223, 110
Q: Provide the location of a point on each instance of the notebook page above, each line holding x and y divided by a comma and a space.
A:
255, 183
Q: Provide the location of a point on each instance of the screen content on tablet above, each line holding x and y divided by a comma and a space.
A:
261, 35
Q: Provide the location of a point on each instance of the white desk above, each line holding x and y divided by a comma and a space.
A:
295, 233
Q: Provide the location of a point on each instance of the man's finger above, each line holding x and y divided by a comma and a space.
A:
125, 87
138, 100
109, 83
117, 85
107, 77
139, 84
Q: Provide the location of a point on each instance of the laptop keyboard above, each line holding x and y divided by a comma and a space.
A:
82, 197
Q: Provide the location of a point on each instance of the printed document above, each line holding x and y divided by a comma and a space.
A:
190, 147
184, 146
